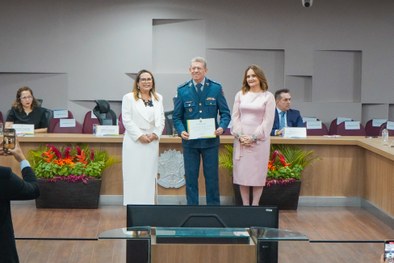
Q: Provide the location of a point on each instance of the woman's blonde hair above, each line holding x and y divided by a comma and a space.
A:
136, 90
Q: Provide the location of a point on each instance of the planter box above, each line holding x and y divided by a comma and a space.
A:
285, 197
68, 195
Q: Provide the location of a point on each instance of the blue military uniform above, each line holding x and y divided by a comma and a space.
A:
191, 105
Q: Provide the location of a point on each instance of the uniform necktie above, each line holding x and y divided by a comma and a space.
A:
198, 86
282, 121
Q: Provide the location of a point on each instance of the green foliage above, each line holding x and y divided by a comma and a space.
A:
296, 158
70, 161
285, 172
295, 155
226, 158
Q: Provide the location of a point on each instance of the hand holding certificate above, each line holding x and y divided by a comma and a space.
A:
201, 128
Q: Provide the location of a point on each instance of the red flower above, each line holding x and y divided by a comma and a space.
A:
81, 156
56, 151
67, 151
282, 160
92, 154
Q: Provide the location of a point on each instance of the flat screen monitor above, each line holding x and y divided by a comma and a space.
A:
207, 216
202, 216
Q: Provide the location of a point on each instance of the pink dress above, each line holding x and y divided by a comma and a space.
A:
253, 114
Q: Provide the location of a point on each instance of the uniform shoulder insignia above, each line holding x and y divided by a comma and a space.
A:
183, 84
215, 82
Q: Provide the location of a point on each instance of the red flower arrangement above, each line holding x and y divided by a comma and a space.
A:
71, 163
280, 171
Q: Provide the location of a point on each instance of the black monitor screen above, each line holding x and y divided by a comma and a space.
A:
202, 216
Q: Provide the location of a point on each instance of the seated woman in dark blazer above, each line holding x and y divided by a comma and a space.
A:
26, 110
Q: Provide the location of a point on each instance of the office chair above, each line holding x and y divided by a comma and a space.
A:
384, 126
168, 125
76, 129
39, 101
227, 131
122, 129
88, 122
1, 117
334, 126
54, 121
48, 116
317, 132
371, 130
104, 114
341, 130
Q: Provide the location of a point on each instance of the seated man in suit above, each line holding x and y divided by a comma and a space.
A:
284, 116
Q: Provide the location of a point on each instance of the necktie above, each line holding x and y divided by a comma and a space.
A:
198, 86
282, 121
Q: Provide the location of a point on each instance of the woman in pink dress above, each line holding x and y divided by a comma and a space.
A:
253, 118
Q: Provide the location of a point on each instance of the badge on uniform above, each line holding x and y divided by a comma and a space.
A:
188, 104
210, 98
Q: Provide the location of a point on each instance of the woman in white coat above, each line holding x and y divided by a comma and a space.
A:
143, 118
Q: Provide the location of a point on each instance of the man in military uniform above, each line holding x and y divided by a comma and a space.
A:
201, 98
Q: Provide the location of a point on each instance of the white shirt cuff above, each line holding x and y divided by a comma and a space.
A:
24, 164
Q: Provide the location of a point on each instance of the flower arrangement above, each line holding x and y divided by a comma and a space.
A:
284, 167
280, 171
70, 163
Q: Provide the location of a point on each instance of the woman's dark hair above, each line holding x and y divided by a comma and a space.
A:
17, 103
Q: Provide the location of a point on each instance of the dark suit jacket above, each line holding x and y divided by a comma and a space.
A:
189, 105
13, 187
294, 119
38, 117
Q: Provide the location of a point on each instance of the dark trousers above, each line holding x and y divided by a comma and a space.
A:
191, 157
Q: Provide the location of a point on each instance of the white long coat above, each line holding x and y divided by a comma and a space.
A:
140, 161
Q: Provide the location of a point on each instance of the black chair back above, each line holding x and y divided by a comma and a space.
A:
104, 114
168, 125
48, 116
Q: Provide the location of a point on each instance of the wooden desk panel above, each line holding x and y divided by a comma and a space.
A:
336, 173
379, 182
349, 166
208, 253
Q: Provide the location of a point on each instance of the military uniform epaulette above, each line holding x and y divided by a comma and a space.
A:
212, 81
184, 84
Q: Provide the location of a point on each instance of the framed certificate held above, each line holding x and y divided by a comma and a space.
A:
201, 128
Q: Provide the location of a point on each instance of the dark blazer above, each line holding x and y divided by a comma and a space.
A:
38, 117
189, 105
294, 119
12, 187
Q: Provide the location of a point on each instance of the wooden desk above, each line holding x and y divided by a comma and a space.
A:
349, 166
207, 253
